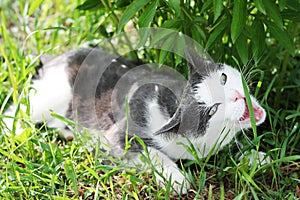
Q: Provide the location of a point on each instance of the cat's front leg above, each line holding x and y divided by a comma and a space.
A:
165, 170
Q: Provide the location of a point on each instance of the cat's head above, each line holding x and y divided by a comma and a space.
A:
220, 84
214, 98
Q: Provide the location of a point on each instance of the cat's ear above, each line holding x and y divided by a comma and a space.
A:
186, 120
198, 66
172, 124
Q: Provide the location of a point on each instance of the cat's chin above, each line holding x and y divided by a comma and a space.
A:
259, 114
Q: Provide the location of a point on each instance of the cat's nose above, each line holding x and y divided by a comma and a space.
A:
238, 96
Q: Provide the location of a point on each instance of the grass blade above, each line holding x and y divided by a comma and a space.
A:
71, 175
249, 103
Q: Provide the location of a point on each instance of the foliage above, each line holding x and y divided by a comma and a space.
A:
240, 33
261, 37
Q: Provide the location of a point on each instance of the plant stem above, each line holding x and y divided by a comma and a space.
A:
282, 74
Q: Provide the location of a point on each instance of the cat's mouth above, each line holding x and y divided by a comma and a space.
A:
258, 114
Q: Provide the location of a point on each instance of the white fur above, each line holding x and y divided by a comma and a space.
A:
165, 169
156, 118
175, 147
51, 92
56, 95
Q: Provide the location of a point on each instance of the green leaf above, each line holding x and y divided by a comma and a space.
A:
201, 20
33, 6
148, 14
282, 4
70, 174
238, 18
216, 33
91, 171
90, 5
102, 30
43, 145
242, 48
172, 23
218, 6
207, 5
144, 36
160, 36
51, 152
282, 36
257, 38
289, 158
295, 115
175, 5
13, 156
130, 11
260, 6
180, 42
197, 33
166, 48
291, 15
273, 11
250, 180
122, 3
294, 5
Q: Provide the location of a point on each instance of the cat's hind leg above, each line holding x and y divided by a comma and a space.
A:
51, 92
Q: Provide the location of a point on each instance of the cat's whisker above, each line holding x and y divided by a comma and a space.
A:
251, 76
259, 59
246, 137
253, 83
248, 64
245, 68
249, 69
248, 76
236, 141
230, 126
253, 66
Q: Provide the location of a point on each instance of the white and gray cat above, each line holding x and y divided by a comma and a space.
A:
206, 111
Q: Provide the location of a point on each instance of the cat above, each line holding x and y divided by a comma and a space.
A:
168, 113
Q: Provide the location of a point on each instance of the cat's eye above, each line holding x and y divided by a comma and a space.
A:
223, 79
213, 109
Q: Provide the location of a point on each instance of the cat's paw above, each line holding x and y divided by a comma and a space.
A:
179, 183
259, 157
166, 172
66, 134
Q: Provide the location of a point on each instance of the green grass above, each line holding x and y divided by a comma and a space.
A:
39, 165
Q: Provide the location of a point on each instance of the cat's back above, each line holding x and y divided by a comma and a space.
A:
102, 84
